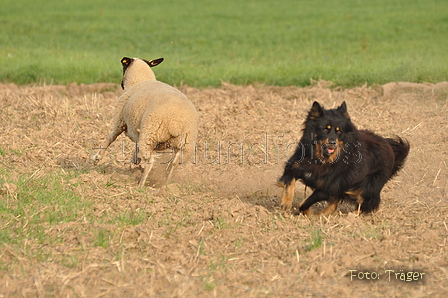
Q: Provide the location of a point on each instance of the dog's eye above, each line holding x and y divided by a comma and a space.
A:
338, 130
327, 128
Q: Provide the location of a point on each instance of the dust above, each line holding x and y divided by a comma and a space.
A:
216, 229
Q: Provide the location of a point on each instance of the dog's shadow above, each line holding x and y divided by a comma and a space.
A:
271, 201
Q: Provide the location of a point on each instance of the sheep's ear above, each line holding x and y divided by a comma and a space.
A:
125, 61
154, 62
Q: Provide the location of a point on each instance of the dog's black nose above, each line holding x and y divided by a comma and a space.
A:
332, 142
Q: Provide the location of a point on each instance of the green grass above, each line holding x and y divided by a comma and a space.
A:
315, 240
206, 42
37, 204
102, 238
33, 203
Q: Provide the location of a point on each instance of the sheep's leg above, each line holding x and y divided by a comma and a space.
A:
172, 164
112, 137
135, 159
146, 169
146, 155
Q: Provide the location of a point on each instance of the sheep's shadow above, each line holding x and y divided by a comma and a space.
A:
128, 172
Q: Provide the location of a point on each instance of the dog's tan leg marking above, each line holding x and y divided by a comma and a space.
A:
357, 195
288, 195
330, 209
358, 211
307, 212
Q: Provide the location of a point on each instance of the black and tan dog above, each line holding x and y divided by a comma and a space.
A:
341, 162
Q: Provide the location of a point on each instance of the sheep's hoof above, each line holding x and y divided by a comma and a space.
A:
135, 161
149, 189
152, 190
95, 159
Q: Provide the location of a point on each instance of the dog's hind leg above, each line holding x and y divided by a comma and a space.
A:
371, 202
330, 209
371, 193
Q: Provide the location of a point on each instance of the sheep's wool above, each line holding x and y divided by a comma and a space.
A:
154, 115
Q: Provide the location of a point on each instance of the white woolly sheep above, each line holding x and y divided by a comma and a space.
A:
154, 115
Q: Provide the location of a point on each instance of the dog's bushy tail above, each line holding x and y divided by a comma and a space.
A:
401, 150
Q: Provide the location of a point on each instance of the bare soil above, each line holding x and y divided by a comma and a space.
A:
215, 229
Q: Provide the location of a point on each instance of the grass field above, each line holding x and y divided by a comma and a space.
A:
206, 42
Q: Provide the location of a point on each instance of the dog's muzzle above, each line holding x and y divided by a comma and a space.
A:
330, 147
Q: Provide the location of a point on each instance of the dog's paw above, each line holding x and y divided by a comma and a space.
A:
306, 212
286, 206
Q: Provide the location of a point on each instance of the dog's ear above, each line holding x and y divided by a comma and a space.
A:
154, 62
316, 111
343, 110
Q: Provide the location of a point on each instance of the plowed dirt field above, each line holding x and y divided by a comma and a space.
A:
215, 229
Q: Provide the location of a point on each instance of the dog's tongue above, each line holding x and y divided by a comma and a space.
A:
330, 150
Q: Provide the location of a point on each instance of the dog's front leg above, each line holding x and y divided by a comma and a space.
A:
287, 194
317, 196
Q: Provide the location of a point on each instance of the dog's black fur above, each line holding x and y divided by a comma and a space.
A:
341, 162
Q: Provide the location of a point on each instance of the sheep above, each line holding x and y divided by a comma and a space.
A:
154, 115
